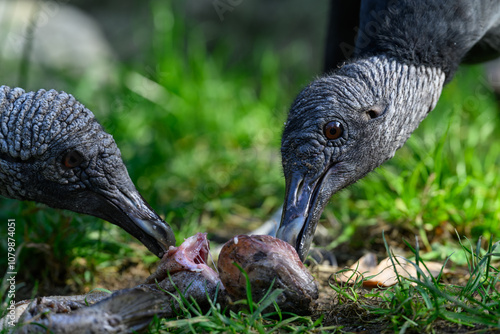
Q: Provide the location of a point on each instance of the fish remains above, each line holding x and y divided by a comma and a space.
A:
270, 263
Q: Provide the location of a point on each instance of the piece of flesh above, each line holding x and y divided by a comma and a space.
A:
268, 261
191, 256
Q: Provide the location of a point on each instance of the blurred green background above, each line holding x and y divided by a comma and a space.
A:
196, 102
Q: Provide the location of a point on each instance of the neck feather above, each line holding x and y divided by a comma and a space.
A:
406, 92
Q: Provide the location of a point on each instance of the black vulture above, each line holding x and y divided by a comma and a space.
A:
348, 122
53, 151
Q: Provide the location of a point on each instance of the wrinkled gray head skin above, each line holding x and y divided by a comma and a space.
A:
53, 151
371, 107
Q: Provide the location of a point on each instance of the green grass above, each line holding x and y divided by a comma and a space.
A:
200, 135
417, 302
263, 316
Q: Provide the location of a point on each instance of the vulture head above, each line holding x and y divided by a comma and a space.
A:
343, 126
54, 151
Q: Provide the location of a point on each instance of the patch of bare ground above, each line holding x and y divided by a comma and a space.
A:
354, 317
348, 316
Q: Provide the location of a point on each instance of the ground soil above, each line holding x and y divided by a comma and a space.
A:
347, 316
351, 317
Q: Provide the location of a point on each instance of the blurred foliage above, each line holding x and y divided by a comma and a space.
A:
200, 136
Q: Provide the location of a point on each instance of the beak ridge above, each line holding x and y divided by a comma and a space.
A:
142, 221
295, 217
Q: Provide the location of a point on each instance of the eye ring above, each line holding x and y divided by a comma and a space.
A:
333, 130
72, 159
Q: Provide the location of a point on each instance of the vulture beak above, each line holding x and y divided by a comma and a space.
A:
141, 221
304, 202
126, 208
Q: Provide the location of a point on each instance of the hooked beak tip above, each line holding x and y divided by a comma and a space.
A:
291, 232
143, 222
155, 234
157, 229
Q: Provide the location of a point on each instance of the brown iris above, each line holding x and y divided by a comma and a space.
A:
72, 159
333, 130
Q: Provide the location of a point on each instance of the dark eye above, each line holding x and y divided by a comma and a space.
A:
333, 130
72, 159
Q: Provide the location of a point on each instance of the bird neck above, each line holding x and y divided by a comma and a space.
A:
405, 94
390, 79
425, 32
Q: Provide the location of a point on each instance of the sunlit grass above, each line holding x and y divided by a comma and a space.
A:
202, 139
417, 302
253, 316
425, 302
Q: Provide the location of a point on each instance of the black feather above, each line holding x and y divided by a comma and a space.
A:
428, 32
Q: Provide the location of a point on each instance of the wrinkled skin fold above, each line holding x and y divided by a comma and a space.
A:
53, 151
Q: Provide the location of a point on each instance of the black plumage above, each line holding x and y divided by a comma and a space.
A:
347, 123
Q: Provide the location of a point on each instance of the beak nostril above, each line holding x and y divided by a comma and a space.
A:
298, 190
